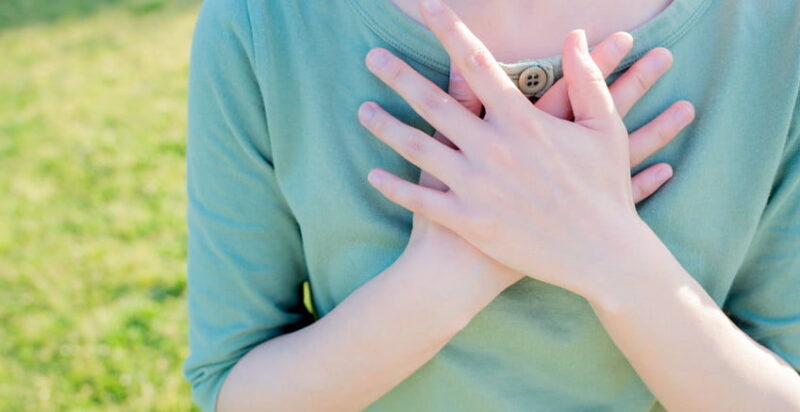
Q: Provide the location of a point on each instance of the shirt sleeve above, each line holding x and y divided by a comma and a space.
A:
764, 300
245, 264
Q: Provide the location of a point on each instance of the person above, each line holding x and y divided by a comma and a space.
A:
534, 254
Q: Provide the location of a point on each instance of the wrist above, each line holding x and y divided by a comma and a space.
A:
638, 263
443, 253
460, 287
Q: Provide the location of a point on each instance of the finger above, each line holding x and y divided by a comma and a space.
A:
639, 78
431, 203
473, 60
427, 99
460, 90
607, 55
588, 94
651, 137
411, 143
646, 182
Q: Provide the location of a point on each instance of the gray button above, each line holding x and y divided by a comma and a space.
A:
532, 77
533, 80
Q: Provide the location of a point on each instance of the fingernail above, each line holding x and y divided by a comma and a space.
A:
621, 43
366, 111
684, 112
377, 58
433, 6
374, 178
664, 173
455, 77
661, 59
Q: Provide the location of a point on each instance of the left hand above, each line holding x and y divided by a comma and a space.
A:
547, 197
626, 91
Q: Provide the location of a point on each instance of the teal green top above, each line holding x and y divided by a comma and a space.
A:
277, 189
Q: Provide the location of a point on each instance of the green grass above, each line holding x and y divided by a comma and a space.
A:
92, 236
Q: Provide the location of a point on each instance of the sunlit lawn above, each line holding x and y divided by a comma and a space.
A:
92, 248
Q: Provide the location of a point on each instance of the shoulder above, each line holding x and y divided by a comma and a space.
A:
243, 27
264, 14
222, 27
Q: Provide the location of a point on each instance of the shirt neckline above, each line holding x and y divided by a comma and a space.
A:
415, 41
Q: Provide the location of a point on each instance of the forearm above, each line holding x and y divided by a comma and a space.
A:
375, 338
683, 346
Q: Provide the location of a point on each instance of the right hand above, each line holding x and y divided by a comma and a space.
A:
448, 248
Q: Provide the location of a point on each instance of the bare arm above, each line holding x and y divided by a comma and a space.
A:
684, 347
252, 343
380, 334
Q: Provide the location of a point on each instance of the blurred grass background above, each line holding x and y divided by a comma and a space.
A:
92, 236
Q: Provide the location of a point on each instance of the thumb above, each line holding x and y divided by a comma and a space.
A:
460, 90
588, 93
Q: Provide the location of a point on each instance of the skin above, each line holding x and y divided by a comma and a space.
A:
397, 321
578, 227
625, 91
520, 29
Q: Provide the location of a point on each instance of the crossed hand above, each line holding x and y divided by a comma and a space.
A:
540, 189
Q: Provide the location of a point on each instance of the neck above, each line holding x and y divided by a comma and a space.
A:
523, 29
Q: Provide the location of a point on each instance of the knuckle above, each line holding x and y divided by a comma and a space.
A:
416, 203
448, 27
595, 80
394, 72
641, 82
432, 102
498, 152
533, 128
662, 136
481, 226
518, 117
379, 122
524, 121
594, 75
478, 59
413, 145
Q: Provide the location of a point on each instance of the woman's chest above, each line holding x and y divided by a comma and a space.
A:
706, 214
